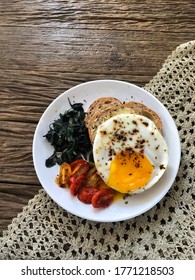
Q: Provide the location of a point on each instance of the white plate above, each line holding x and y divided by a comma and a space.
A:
86, 93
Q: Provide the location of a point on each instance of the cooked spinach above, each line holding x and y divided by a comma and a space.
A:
69, 136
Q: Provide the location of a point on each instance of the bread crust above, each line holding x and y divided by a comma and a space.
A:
99, 105
143, 110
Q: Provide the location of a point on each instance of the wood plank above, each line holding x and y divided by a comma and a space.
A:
134, 56
13, 197
16, 163
135, 15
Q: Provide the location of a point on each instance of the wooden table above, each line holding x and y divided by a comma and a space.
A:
46, 47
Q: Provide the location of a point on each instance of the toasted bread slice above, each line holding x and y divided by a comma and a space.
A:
143, 110
99, 105
100, 117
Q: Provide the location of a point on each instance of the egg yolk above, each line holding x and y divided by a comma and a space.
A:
129, 172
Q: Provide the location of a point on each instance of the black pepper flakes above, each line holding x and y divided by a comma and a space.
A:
135, 130
129, 149
119, 137
103, 132
134, 122
111, 152
161, 166
122, 154
145, 123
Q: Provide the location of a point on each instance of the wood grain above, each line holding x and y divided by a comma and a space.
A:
48, 46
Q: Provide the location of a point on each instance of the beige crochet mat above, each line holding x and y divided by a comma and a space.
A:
45, 231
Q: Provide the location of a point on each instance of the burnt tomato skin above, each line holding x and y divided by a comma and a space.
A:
76, 184
86, 194
79, 167
103, 198
77, 162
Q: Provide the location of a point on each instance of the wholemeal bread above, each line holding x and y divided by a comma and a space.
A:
143, 110
106, 107
100, 117
99, 105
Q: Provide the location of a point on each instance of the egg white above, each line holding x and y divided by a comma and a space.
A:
130, 131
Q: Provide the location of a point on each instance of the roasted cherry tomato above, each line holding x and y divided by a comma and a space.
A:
92, 177
85, 194
76, 163
71, 179
76, 184
79, 167
63, 178
103, 198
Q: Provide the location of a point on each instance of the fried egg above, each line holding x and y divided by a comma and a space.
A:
130, 153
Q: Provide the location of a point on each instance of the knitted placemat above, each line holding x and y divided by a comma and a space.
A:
43, 230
